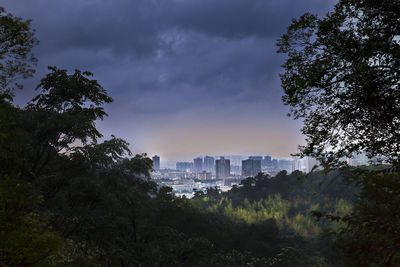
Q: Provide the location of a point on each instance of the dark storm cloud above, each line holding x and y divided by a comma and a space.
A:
169, 60
123, 27
126, 26
178, 53
203, 71
239, 18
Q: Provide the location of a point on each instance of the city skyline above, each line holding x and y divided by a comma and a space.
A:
236, 160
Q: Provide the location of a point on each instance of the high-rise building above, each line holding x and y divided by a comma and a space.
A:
184, 166
198, 165
311, 163
156, 163
266, 162
255, 158
296, 164
209, 164
286, 165
222, 168
251, 167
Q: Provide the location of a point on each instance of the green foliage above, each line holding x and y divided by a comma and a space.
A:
11, 139
103, 155
286, 202
140, 165
369, 237
341, 77
25, 239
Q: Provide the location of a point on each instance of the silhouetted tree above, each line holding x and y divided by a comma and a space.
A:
341, 77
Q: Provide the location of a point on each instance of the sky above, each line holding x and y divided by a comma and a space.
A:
188, 77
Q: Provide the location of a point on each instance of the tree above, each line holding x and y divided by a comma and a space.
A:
342, 77
25, 239
63, 112
16, 62
74, 102
16, 59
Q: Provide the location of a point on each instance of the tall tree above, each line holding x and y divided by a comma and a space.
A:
342, 77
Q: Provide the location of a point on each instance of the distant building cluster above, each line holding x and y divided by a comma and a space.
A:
225, 171
222, 167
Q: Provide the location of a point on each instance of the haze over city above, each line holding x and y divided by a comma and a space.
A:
187, 79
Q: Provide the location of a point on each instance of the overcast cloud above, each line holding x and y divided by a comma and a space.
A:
176, 64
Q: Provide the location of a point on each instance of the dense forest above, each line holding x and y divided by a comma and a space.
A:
91, 205
69, 197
